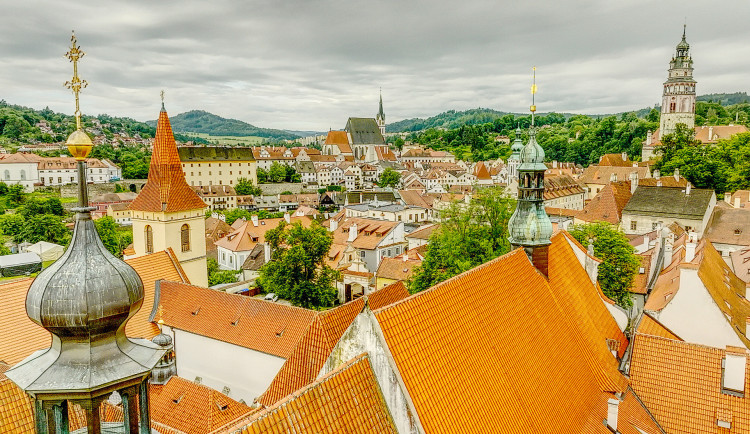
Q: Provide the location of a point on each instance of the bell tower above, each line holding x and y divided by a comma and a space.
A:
530, 227
380, 117
678, 97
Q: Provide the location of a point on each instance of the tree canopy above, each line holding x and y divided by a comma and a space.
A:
619, 262
469, 235
297, 271
389, 178
246, 187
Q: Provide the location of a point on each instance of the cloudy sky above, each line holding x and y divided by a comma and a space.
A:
310, 64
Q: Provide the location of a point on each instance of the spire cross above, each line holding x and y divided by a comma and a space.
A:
75, 84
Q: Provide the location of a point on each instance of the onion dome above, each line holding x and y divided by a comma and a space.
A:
162, 340
532, 155
517, 144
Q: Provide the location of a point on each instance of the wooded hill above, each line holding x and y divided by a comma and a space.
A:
199, 121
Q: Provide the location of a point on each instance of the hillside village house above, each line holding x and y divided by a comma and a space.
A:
217, 165
30, 169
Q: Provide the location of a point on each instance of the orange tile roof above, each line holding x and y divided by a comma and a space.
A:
490, 333
601, 175
19, 336
309, 356
347, 400
481, 172
423, 232
681, 383
640, 281
615, 160
718, 132
608, 204
193, 408
260, 325
741, 263
665, 181
561, 185
16, 414
397, 268
246, 235
633, 417
650, 326
166, 189
370, 232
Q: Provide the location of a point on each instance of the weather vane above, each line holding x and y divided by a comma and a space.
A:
76, 84
533, 92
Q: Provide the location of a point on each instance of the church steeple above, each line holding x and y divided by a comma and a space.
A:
380, 118
678, 97
530, 226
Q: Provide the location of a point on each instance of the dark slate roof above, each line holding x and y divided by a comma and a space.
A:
305, 167
256, 259
364, 131
368, 196
669, 201
215, 153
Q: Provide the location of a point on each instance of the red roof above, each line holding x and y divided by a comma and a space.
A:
166, 189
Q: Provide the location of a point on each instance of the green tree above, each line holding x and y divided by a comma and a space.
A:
277, 173
44, 227
469, 235
16, 195
245, 187
399, 143
12, 225
3, 188
217, 276
262, 175
389, 178
298, 272
106, 227
619, 262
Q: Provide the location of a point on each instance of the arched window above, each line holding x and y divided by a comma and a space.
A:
149, 239
185, 237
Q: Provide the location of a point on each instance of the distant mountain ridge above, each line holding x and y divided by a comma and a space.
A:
199, 121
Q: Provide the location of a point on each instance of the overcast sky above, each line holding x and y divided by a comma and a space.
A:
310, 64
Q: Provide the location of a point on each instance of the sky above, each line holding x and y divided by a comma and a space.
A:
311, 64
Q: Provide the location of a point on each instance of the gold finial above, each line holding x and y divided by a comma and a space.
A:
533, 92
79, 143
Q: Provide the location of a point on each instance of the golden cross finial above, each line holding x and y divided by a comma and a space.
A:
76, 84
162, 100
533, 92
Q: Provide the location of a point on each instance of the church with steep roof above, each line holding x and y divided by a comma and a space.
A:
167, 213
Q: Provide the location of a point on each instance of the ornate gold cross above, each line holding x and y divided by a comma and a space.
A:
76, 84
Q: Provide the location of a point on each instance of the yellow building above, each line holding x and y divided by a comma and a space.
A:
167, 213
217, 165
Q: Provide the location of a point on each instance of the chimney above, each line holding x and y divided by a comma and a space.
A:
266, 252
737, 202
591, 266
648, 138
657, 174
554, 164
687, 189
668, 249
658, 183
710, 132
624, 156
334, 224
287, 217
613, 177
215, 215
733, 372
352, 233
646, 241
613, 405
405, 256
633, 182
254, 219
728, 198
676, 174
222, 217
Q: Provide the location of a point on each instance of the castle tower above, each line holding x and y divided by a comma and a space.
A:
84, 300
380, 118
678, 98
530, 226
167, 213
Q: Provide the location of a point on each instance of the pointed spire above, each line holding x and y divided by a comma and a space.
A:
381, 113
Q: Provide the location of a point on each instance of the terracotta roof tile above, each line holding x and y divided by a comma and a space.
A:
166, 189
309, 356
193, 408
16, 415
729, 226
245, 235
19, 336
264, 326
681, 383
347, 400
615, 160
397, 268
608, 204
561, 185
650, 326
494, 319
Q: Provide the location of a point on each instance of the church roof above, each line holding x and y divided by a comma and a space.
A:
166, 189
669, 202
364, 131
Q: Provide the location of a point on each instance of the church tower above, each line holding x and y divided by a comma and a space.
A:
530, 226
678, 100
514, 161
380, 117
167, 213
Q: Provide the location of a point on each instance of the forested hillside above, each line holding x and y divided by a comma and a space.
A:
199, 121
